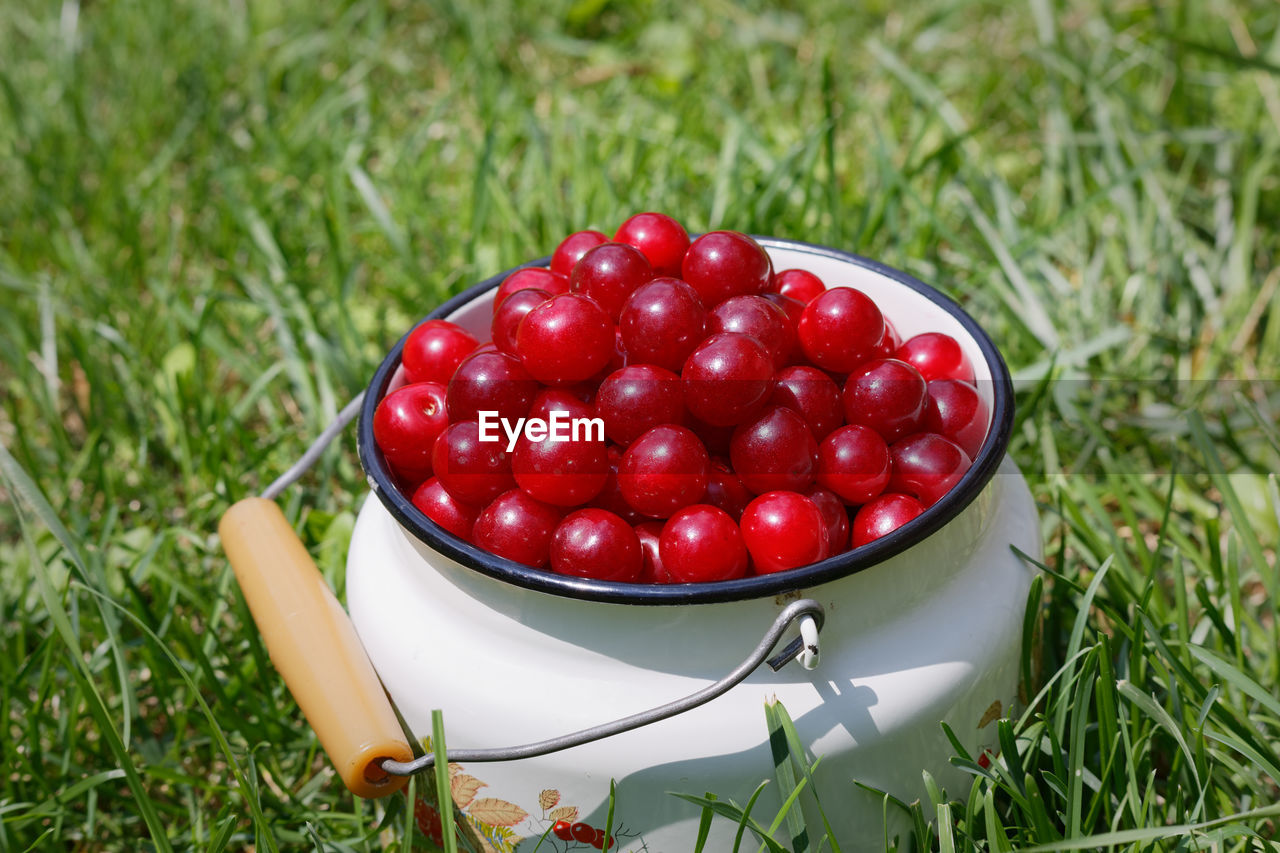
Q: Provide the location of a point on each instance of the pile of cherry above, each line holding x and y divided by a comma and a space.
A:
753, 421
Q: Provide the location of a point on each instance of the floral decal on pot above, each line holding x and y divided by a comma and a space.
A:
492, 825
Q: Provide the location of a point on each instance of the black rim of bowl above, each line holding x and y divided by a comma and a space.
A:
859, 559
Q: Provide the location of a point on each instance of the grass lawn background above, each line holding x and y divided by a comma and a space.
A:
216, 217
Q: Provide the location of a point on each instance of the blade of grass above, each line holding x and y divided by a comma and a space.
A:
785, 774
1152, 833
796, 747
444, 799
727, 809
80, 672
746, 815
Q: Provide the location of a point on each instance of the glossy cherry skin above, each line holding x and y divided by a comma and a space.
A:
887, 395
637, 398
435, 502
800, 285
573, 247
836, 516
725, 489
701, 543
506, 320
720, 264
957, 411
664, 470
759, 318
661, 323
471, 470
839, 329
433, 351
619, 358
793, 308
562, 400
889, 341
595, 543
926, 466
567, 338
853, 462
774, 450
649, 533
813, 395
727, 378
608, 274
490, 381
882, 516
610, 496
517, 527
661, 239
563, 473
405, 426
784, 530
714, 437
530, 278
936, 356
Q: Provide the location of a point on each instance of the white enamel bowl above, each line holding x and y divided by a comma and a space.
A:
922, 627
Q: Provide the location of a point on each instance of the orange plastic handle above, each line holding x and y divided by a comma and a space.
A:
314, 646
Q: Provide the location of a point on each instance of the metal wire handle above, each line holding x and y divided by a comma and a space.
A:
804, 647
297, 469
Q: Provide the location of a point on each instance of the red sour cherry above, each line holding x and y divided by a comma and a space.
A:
471, 470
664, 470
433, 351
926, 466
595, 543
610, 496
774, 450
608, 274
800, 285
882, 516
517, 527
889, 341
784, 530
661, 323
637, 398
506, 320
563, 473
562, 400
701, 543
957, 411
887, 395
839, 329
853, 462
490, 381
727, 378
572, 248
405, 425
720, 264
649, 533
725, 489
837, 518
530, 278
813, 395
759, 318
568, 338
661, 239
444, 509
936, 356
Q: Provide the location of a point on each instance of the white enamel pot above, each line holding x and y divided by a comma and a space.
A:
922, 627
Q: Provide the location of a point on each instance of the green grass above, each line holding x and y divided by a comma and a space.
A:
215, 218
